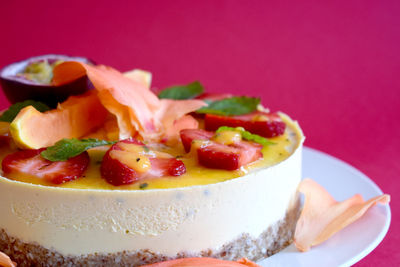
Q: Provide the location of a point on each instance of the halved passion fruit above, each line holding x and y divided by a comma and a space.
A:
31, 79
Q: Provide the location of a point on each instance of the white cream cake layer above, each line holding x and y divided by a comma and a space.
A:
166, 221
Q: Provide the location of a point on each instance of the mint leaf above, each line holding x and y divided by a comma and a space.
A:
68, 148
247, 135
12, 112
180, 92
237, 105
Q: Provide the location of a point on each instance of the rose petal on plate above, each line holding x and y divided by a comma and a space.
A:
322, 216
247, 262
203, 262
5, 261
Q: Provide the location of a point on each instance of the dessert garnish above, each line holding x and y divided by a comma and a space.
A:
181, 92
220, 104
228, 157
322, 216
139, 116
258, 122
245, 135
31, 79
74, 118
130, 160
211, 97
203, 262
138, 110
5, 261
68, 148
10, 114
30, 162
39, 71
235, 105
229, 153
189, 135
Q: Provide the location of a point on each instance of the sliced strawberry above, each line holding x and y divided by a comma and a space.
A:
261, 123
219, 156
228, 157
166, 166
118, 173
188, 135
213, 96
57, 172
5, 140
115, 172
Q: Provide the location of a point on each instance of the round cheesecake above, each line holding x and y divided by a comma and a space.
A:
252, 215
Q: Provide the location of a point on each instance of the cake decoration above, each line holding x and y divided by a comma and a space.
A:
212, 153
231, 106
68, 148
30, 79
259, 122
73, 118
138, 110
322, 216
5, 261
30, 162
181, 92
130, 160
12, 112
204, 262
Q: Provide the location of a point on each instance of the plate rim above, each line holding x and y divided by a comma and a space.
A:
371, 183
368, 181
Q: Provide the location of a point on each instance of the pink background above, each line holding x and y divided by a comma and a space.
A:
333, 65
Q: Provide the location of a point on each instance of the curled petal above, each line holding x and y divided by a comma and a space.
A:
322, 216
5, 261
203, 262
128, 97
141, 76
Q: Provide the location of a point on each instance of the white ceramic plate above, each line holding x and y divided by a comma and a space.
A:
353, 242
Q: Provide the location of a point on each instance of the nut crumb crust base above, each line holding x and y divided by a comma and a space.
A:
271, 241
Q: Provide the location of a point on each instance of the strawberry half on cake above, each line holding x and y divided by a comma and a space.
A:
121, 176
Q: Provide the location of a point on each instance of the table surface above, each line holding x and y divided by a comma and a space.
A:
332, 65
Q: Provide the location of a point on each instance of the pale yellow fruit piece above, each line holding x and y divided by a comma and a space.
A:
74, 118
